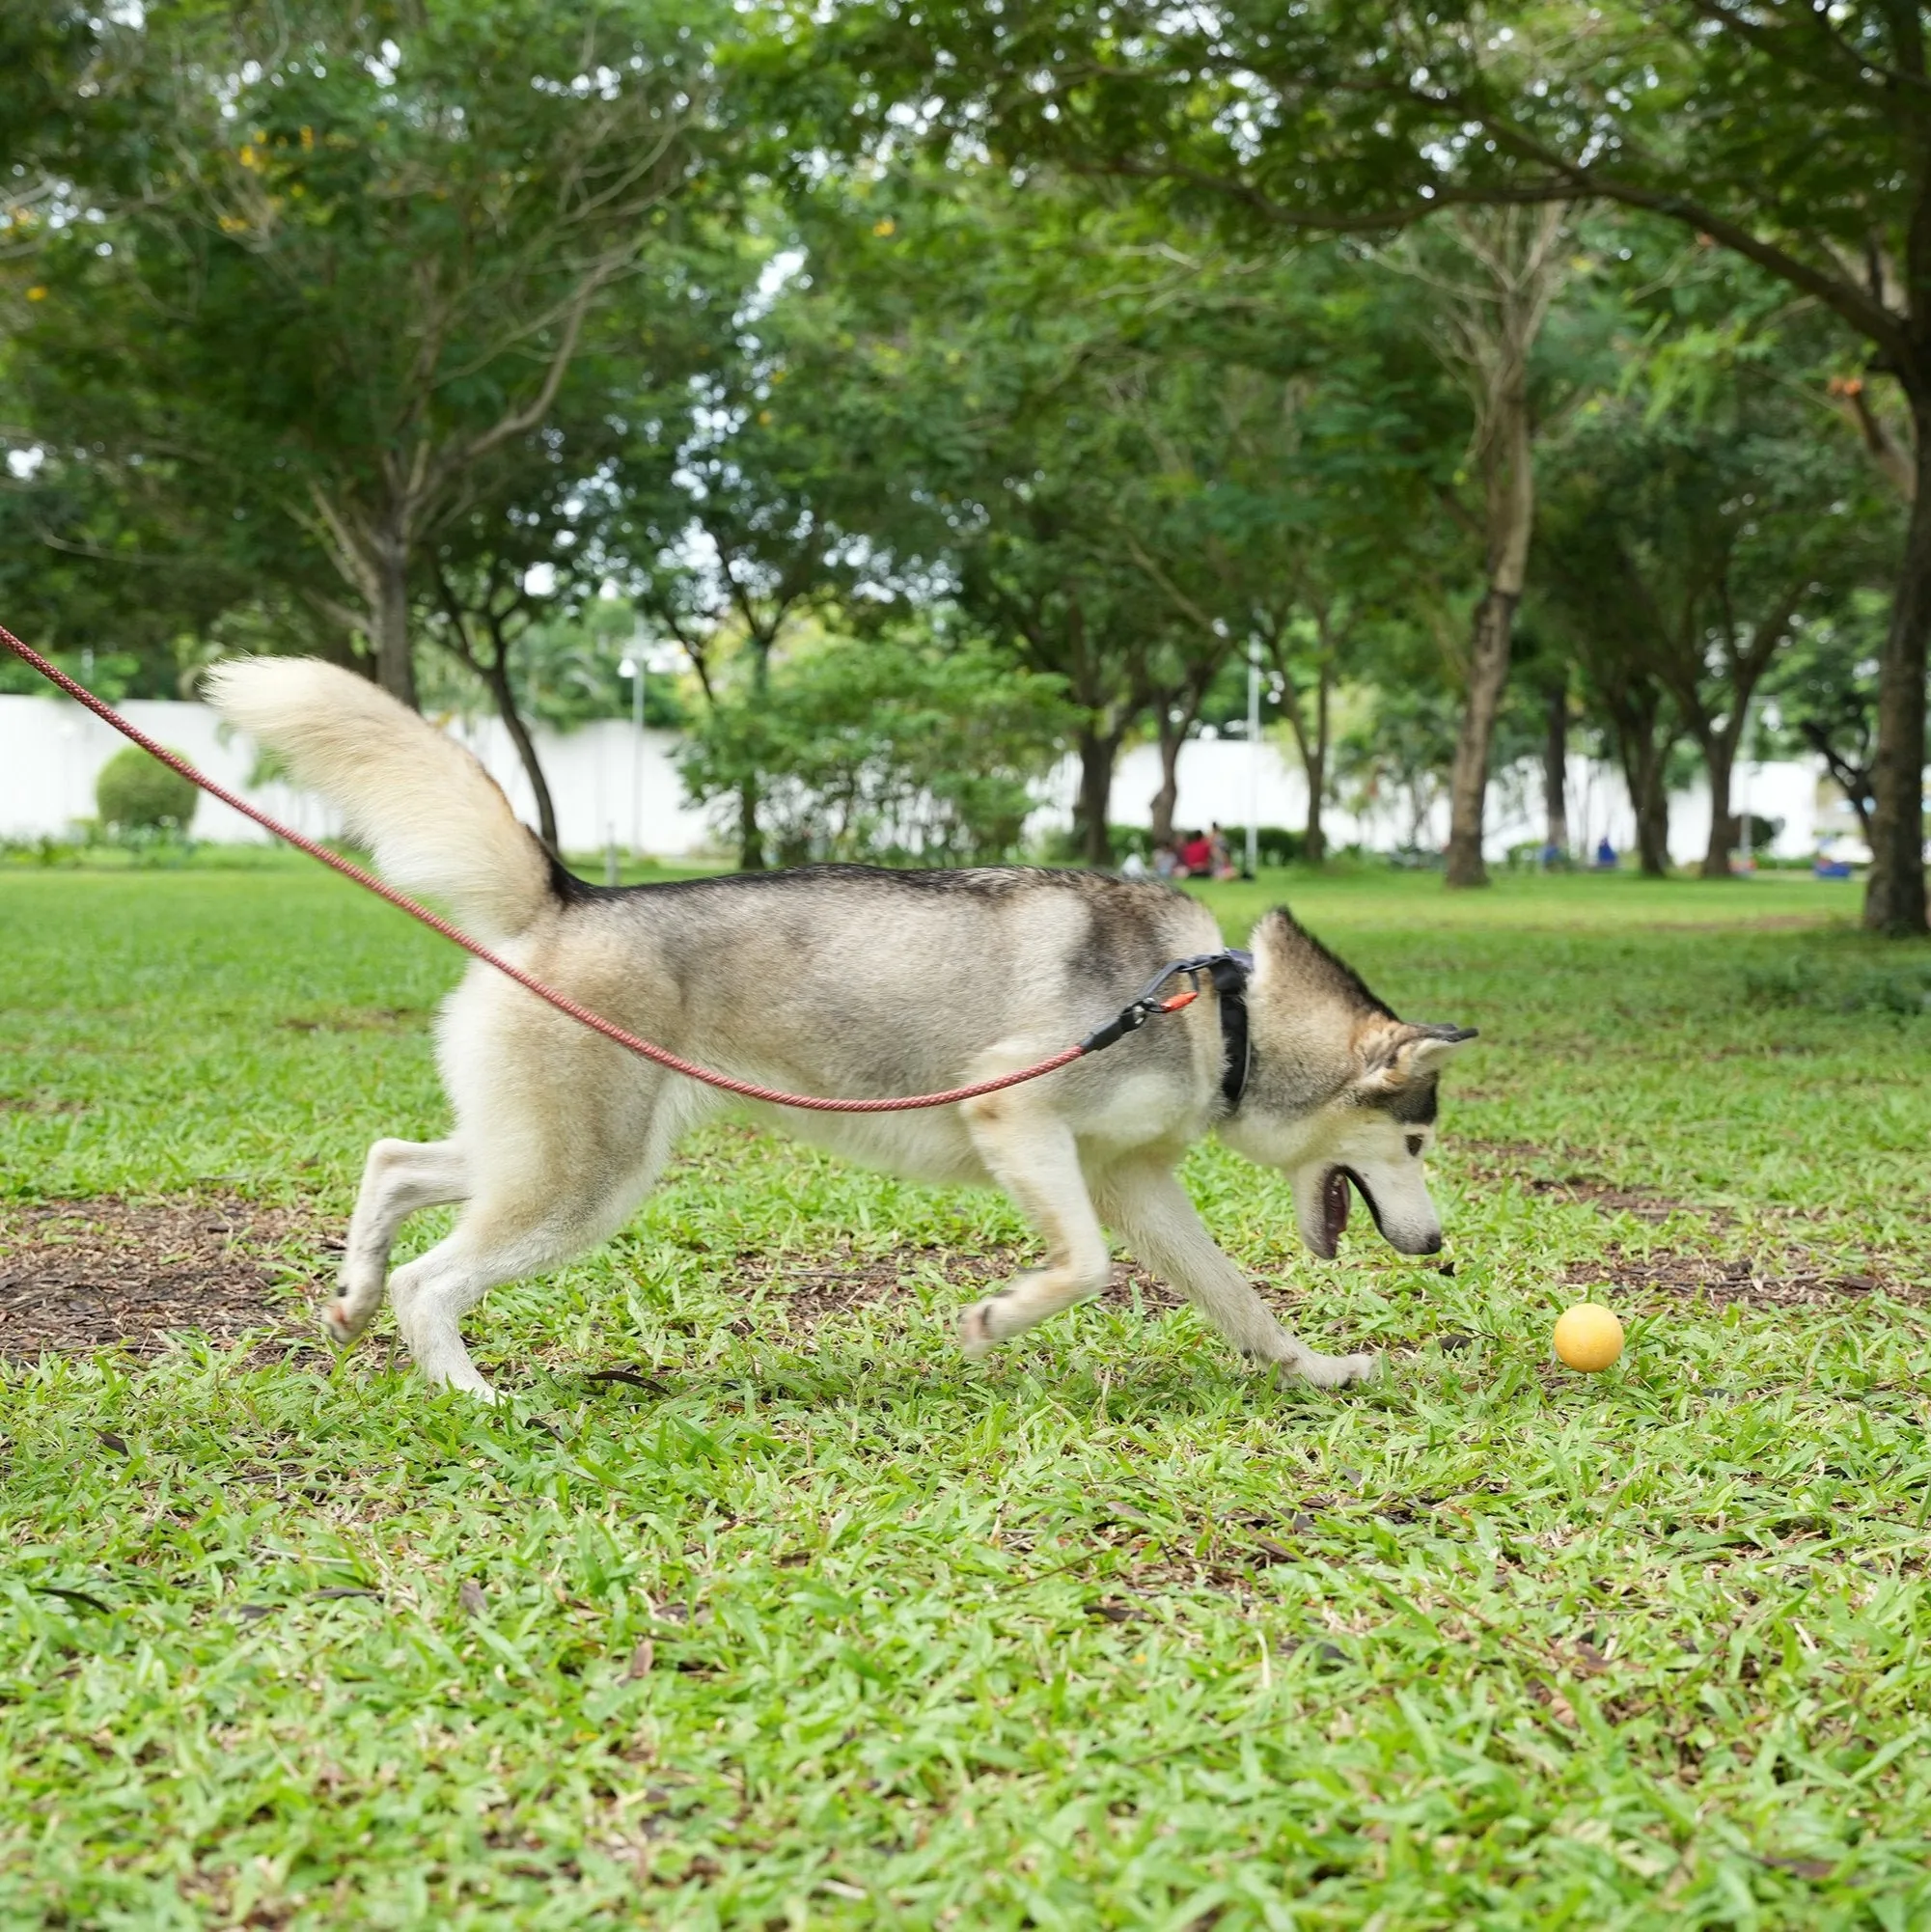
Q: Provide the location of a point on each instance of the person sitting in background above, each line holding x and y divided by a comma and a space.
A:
1223, 854
1166, 860
1605, 856
1196, 857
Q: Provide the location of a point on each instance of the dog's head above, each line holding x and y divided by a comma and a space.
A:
1341, 1094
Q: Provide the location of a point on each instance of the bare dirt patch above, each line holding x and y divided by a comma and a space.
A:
37, 1103
1593, 1191
1511, 1160
356, 1020
808, 1291
1775, 1280
80, 1275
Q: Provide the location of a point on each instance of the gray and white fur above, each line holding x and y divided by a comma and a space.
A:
842, 980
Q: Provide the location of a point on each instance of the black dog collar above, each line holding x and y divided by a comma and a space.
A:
1229, 970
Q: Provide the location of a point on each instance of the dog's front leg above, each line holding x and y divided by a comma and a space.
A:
1033, 1156
1151, 1211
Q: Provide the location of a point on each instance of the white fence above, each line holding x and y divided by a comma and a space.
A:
604, 784
1218, 778
608, 787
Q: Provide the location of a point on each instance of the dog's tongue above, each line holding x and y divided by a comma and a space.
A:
1335, 1206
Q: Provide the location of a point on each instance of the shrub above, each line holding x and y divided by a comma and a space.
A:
138, 793
1276, 844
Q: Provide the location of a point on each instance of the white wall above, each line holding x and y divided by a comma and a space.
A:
50, 751
1218, 777
602, 788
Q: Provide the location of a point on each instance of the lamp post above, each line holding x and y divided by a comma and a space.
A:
633, 668
1749, 860
1254, 758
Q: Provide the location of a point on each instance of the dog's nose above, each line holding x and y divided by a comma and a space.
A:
1433, 1244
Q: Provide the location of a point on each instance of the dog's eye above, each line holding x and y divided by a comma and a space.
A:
1414, 1144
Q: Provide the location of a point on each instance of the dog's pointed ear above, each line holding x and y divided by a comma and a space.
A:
1403, 1054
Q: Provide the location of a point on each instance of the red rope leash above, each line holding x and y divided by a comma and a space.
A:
562, 1002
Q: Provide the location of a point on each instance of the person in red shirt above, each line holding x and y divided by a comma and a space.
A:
1197, 856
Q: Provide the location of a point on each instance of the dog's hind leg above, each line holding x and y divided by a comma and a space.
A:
543, 1201
433, 1292
1033, 1156
399, 1177
1150, 1210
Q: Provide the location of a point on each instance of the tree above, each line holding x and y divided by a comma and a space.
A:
886, 749
1795, 135
1400, 744
1825, 697
479, 624
367, 249
992, 336
1290, 443
1703, 529
1495, 273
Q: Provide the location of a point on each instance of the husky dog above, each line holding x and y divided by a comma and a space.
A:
847, 981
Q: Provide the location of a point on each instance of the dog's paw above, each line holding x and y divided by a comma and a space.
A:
977, 1339
341, 1324
1333, 1372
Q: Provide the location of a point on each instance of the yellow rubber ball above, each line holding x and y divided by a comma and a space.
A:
1589, 1337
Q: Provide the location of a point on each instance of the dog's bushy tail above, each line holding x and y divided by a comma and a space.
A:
437, 822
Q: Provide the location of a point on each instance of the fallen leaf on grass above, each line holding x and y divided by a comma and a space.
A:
632, 1377
1801, 1867
1588, 1661
641, 1661
471, 1597
1551, 1701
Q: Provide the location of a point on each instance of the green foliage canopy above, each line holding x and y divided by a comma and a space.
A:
892, 750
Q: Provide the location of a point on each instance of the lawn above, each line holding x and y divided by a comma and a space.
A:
808, 1623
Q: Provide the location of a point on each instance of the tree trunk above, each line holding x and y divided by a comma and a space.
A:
1653, 817
1556, 771
1643, 759
526, 747
1894, 899
389, 616
1524, 260
750, 840
1468, 783
1172, 738
1720, 763
1098, 752
1314, 761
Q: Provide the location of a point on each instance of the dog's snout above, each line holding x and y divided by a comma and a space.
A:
1433, 1244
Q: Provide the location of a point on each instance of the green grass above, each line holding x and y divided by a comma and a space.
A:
818, 1634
